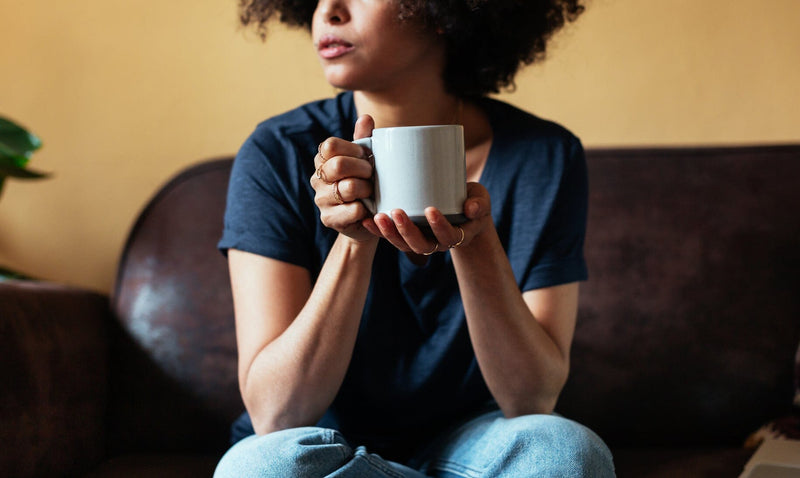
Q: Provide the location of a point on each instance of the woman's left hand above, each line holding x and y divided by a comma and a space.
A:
407, 237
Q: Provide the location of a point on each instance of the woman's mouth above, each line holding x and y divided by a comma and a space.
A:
330, 47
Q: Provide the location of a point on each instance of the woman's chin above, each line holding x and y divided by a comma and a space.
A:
350, 80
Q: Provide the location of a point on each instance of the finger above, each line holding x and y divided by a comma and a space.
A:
363, 129
328, 196
337, 196
342, 167
353, 189
388, 230
343, 216
445, 233
364, 126
320, 157
412, 235
333, 147
478, 203
320, 175
369, 224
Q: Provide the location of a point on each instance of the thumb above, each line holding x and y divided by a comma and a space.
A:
478, 203
364, 127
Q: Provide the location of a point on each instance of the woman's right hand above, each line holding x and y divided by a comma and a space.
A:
343, 177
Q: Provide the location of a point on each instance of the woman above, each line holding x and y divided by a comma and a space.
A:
367, 347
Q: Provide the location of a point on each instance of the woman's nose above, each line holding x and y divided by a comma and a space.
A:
333, 11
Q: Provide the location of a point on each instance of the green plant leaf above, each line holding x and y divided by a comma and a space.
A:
16, 139
9, 167
16, 147
20, 173
8, 274
10, 157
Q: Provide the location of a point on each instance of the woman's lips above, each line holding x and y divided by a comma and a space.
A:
330, 47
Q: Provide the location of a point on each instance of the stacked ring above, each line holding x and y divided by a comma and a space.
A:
337, 196
321, 174
435, 248
460, 240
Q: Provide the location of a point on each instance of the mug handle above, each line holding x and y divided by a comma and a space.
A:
369, 203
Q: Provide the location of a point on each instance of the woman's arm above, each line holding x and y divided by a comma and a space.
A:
295, 340
521, 340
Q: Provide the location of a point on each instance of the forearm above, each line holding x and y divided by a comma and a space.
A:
294, 378
522, 364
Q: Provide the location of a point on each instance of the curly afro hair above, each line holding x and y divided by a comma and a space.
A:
487, 41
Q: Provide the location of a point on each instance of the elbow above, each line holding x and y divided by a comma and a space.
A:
273, 416
542, 399
265, 416
547, 400
270, 411
269, 421
264, 425
264, 421
539, 405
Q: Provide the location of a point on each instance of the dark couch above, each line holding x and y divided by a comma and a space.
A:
685, 342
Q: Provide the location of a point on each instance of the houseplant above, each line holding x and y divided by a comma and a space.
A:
16, 148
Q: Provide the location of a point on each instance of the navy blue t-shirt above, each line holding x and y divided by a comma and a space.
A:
413, 369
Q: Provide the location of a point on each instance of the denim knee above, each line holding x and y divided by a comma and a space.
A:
556, 446
529, 445
307, 451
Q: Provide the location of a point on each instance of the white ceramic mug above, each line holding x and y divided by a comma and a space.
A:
417, 167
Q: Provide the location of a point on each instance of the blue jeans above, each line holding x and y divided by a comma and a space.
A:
490, 446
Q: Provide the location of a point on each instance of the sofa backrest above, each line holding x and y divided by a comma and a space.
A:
690, 319
174, 384
686, 332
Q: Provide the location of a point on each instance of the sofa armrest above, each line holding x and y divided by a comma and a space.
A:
53, 379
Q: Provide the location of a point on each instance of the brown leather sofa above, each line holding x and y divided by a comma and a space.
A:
685, 343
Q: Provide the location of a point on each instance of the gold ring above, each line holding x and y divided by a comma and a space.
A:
458, 243
435, 248
319, 152
336, 195
321, 174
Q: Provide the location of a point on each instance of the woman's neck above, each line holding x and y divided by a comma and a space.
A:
409, 109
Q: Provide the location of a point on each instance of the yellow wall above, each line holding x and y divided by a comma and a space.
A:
127, 93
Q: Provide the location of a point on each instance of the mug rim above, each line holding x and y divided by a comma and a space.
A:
420, 127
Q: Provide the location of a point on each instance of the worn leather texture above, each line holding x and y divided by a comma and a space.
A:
689, 322
174, 385
53, 379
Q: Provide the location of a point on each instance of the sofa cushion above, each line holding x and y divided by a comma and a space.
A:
137, 465
688, 325
787, 426
52, 379
680, 462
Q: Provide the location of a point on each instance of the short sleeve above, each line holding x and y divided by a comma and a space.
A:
558, 257
267, 210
